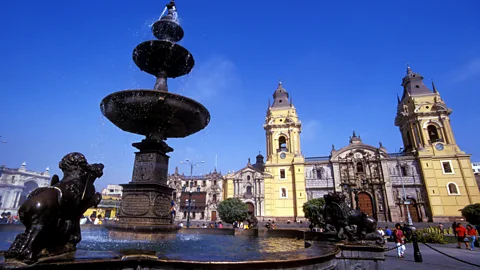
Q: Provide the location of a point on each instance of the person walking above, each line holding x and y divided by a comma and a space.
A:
399, 240
473, 235
461, 236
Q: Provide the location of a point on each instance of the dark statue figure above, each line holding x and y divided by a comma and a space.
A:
252, 222
347, 223
51, 215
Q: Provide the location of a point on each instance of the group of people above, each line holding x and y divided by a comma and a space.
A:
92, 219
8, 218
465, 235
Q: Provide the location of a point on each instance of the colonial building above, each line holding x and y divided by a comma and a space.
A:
281, 192
206, 192
248, 185
424, 122
381, 180
16, 184
430, 176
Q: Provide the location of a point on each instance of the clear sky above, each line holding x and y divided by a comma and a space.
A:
341, 61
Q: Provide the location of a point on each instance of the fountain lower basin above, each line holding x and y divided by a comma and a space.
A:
188, 249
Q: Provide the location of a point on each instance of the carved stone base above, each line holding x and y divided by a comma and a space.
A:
146, 200
145, 204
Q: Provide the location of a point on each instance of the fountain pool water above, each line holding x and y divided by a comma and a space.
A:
185, 246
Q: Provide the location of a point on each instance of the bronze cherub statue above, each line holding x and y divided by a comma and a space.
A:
51, 215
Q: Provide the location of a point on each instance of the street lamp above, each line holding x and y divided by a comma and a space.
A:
190, 190
417, 255
406, 202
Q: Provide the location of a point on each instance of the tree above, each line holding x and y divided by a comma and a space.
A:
472, 213
313, 210
232, 209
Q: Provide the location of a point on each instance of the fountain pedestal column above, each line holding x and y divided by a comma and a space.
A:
146, 199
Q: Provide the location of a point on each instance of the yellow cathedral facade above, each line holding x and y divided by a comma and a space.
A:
430, 180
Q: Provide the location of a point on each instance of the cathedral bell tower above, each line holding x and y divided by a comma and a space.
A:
285, 191
424, 122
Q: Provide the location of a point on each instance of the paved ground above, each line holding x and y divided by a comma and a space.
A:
432, 259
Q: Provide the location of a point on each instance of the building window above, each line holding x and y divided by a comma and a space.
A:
195, 184
248, 177
193, 214
214, 182
403, 170
214, 198
452, 189
198, 188
204, 183
282, 143
359, 167
249, 190
433, 133
283, 193
447, 167
282, 174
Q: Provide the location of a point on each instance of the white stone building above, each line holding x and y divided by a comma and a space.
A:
249, 185
16, 184
113, 190
476, 167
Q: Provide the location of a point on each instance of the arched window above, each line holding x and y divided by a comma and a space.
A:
359, 167
214, 198
452, 189
249, 190
248, 177
282, 143
433, 133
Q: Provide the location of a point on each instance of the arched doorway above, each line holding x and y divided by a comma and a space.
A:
251, 209
413, 208
365, 203
29, 187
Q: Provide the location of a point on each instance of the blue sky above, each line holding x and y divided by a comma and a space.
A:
341, 61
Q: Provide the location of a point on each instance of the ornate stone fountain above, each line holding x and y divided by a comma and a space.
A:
157, 114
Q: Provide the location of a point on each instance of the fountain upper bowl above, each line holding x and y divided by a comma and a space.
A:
148, 112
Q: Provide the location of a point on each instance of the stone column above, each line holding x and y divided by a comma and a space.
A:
234, 187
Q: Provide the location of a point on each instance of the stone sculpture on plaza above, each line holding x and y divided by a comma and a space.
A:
51, 215
347, 223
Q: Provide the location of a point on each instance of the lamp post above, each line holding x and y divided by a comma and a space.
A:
190, 190
417, 255
405, 201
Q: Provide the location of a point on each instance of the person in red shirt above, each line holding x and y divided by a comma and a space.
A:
473, 235
399, 239
461, 236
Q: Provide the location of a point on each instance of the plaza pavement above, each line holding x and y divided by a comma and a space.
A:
431, 258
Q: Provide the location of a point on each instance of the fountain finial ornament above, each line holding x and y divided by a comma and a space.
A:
158, 115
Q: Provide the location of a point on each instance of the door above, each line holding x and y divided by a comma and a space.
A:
365, 203
412, 207
214, 215
251, 209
